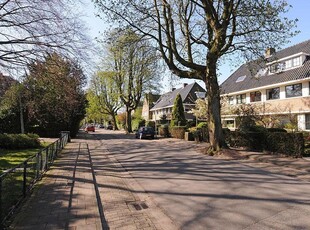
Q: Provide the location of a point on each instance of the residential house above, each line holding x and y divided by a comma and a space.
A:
278, 85
164, 104
148, 102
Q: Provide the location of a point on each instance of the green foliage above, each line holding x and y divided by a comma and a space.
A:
103, 97
135, 63
164, 130
10, 111
151, 124
163, 119
178, 116
256, 128
54, 96
278, 130
19, 141
177, 131
137, 123
291, 144
247, 116
202, 125
248, 140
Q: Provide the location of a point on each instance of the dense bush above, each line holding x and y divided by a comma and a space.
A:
178, 131
291, 144
137, 123
19, 141
178, 116
249, 140
202, 129
227, 135
150, 124
277, 130
164, 130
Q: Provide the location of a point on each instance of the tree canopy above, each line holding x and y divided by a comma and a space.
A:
104, 94
54, 96
135, 66
30, 28
193, 36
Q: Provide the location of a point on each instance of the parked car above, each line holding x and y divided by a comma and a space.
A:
145, 132
110, 127
101, 126
90, 128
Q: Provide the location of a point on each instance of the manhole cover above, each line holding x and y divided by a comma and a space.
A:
137, 205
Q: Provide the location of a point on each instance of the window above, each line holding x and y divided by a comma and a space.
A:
255, 96
288, 64
296, 61
231, 100
307, 121
241, 78
229, 123
293, 90
273, 68
241, 98
273, 93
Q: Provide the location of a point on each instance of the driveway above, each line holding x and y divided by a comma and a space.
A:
202, 192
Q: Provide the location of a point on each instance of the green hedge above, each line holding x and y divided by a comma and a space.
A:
291, 144
19, 141
164, 130
178, 131
249, 140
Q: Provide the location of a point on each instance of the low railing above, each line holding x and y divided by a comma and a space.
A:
17, 182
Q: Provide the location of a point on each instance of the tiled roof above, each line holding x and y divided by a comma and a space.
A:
187, 94
250, 69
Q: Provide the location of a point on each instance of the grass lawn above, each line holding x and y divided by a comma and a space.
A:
10, 157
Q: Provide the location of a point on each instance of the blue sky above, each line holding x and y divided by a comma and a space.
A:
300, 10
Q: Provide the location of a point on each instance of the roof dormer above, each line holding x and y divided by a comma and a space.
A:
287, 63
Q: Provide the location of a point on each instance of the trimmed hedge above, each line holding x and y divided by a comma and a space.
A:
290, 144
19, 141
178, 131
164, 131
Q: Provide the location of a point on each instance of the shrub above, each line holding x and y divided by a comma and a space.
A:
249, 140
178, 116
278, 130
19, 141
150, 124
164, 131
291, 144
137, 123
257, 128
227, 135
178, 131
202, 129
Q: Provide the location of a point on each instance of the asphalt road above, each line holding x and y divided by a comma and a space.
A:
202, 192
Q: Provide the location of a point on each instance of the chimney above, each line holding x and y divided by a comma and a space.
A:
184, 85
269, 52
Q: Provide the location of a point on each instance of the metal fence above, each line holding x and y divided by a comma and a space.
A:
17, 182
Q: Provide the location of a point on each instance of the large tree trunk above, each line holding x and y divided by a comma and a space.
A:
114, 121
214, 113
128, 121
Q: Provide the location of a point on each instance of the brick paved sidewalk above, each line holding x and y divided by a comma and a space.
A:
89, 191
